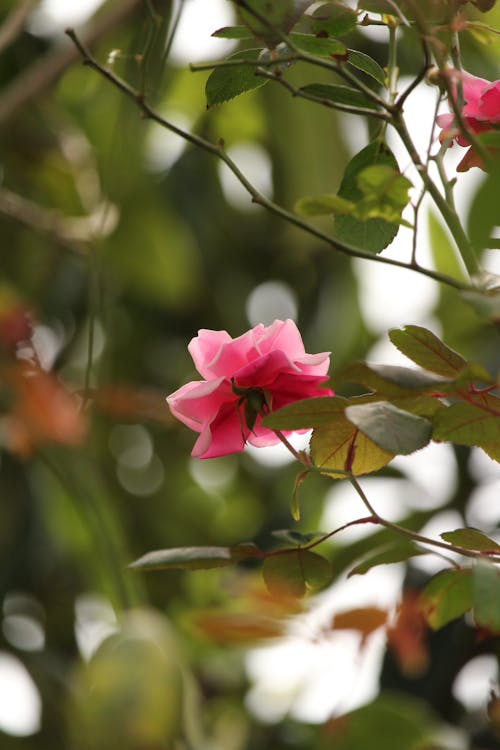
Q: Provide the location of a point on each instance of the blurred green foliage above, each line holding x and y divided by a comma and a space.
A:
112, 250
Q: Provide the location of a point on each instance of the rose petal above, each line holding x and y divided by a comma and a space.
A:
197, 402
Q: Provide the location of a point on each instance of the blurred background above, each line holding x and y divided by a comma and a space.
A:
120, 241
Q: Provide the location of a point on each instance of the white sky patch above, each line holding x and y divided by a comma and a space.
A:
392, 296
483, 467
474, 682
20, 702
193, 41
53, 16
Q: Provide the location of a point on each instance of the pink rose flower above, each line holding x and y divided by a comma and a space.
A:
481, 112
260, 371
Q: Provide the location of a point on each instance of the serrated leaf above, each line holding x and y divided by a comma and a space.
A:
486, 596
447, 596
372, 235
334, 20
425, 349
317, 45
391, 553
367, 64
232, 32
279, 15
341, 446
394, 430
471, 539
224, 84
296, 573
466, 424
338, 94
323, 204
311, 412
193, 558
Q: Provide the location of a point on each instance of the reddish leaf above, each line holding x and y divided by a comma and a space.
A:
407, 637
365, 620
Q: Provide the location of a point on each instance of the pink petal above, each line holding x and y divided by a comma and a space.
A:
489, 104
314, 364
262, 372
283, 335
197, 403
205, 348
224, 435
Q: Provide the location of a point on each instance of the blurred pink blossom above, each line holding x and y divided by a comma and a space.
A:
481, 113
262, 370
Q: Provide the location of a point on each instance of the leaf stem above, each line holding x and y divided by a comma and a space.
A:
449, 215
494, 557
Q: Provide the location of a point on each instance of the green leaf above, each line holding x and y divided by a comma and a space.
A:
345, 95
372, 235
294, 502
316, 45
444, 255
296, 573
334, 20
385, 193
340, 446
323, 204
392, 553
486, 596
483, 213
427, 350
279, 16
367, 64
311, 412
482, 32
470, 539
224, 84
232, 32
193, 558
447, 596
395, 431
391, 722
466, 424
391, 380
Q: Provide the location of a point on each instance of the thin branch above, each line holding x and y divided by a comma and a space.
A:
331, 65
217, 150
420, 538
299, 94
